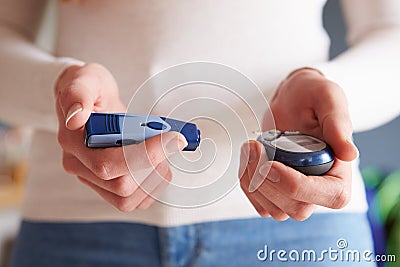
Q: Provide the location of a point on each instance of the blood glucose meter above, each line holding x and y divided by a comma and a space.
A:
118, 129
307, 154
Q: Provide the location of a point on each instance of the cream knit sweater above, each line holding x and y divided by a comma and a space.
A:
134, 39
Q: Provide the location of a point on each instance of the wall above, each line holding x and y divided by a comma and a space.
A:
378, 147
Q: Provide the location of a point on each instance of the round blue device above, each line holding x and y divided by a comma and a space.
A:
307, 154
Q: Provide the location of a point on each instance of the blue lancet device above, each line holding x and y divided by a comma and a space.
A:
307, 154
104, 130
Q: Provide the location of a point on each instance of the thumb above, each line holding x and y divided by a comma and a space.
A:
76, 91
74, 111
77, 103
172, 143
337, 132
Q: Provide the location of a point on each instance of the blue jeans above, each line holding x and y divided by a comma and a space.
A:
246, 242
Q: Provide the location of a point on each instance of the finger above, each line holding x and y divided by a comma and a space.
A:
123, 186
154, 150
153, 196
127, 204
258, 157
77, 99
297, 210
138, 160
245, 157
333, 126
253, 197
334, 119
263, 206
111, 198
161, 174
254, 180
154, 185
332, 190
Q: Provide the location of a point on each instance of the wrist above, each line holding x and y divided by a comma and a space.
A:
299, 75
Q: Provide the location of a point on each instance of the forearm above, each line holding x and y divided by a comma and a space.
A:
369, 70
27, 74
27, 77
368, 74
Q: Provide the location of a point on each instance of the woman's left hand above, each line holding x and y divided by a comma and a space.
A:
307, 102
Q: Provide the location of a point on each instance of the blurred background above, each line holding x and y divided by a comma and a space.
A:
379, 160
378, 154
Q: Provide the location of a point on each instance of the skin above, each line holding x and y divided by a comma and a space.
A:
127, 181
308, 102
132, 181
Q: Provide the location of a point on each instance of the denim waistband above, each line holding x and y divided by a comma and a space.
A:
245, 242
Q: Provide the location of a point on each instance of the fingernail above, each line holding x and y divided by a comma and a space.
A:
252, 153
73, 110
255, 183
244, 153
268, 171
350, 141
175, 144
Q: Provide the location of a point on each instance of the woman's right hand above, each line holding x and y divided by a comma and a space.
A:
127, 178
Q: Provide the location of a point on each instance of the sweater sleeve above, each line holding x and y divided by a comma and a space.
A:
369, 71
27, 73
